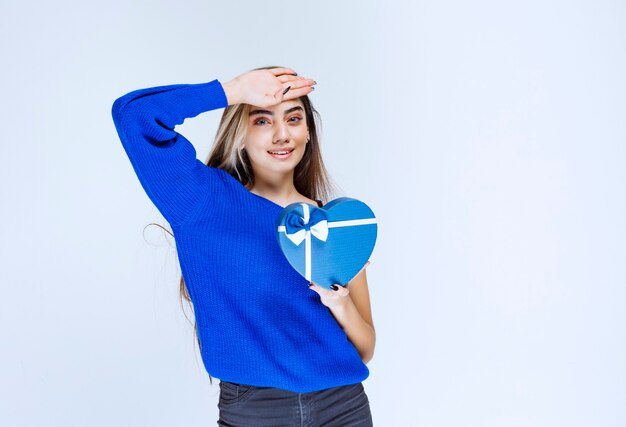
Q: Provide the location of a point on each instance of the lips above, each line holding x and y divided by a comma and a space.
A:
286, 153
281, 152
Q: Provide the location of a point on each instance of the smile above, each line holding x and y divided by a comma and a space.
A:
281, 154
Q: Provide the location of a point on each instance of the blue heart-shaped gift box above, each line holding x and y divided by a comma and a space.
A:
330, 244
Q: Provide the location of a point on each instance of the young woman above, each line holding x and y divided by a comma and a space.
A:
286, 351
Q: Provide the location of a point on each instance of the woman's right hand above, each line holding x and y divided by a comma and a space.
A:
264, 88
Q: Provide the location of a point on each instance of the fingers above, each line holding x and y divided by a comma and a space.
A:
296, 92
298, 86
285, 95
281, 70
289, 78
284, 88
301, 83
340, 291
314, 287
296, 81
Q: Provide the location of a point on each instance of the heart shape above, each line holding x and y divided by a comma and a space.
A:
330, 244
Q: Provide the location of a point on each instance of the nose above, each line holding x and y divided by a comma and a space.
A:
281, 134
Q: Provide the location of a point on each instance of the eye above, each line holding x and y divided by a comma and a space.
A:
259, 122
295, 117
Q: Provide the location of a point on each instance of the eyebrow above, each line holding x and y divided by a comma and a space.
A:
269, 113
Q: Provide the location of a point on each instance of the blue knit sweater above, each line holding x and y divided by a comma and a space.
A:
258, 321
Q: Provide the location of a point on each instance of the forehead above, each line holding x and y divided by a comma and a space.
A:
279, 108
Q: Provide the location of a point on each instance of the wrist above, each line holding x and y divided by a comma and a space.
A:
230, 90
340, 305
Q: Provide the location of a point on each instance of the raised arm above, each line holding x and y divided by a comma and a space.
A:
165, 161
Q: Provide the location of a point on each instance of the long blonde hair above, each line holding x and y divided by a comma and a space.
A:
311, 178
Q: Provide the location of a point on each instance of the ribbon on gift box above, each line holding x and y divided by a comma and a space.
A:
312, 221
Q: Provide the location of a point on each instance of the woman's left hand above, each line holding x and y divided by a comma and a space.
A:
333, 298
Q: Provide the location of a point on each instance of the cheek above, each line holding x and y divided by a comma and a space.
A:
257, 131
255, 139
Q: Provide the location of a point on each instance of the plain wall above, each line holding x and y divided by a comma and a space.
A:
488, 137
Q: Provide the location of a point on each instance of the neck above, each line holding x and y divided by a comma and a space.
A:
277, 188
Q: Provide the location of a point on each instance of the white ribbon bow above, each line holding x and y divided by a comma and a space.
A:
319, 230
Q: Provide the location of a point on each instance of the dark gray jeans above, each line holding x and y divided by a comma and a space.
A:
243, 405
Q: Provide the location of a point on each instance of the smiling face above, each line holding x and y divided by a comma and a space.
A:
275, 130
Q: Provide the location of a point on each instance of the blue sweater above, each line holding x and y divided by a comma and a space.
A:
258, 321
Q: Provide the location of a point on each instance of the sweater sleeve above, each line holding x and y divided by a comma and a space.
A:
165, 161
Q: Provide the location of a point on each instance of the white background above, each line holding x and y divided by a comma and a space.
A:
487, 136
